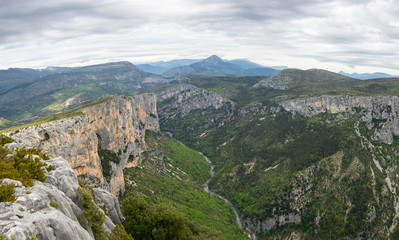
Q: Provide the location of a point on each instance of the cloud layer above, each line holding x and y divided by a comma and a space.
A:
357, 35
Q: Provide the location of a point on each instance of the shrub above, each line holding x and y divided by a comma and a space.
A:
21, 166
119, 233
92, 212
106, 157
54, 204
159, 221
4, 140
7, 193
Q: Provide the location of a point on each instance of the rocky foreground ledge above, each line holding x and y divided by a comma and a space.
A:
53, 209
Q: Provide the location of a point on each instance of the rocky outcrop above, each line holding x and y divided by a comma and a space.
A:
379, 113
278, 81
262, 227
184, 98
118, 124
52, 209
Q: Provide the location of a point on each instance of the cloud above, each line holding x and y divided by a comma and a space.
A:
360, 35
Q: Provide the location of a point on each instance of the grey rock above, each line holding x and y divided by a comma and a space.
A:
31, 213
118, 124
379, 113
111, 202
262, 227
188, 98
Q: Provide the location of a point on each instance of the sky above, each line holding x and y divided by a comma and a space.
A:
353, 36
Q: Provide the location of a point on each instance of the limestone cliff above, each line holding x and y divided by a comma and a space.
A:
118, 124
53, 209
184, 98
379, 113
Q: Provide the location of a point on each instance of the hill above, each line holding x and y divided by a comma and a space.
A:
306, 80
65, 90
152, 69
14, 77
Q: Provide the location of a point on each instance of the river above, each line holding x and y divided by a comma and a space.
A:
237, 214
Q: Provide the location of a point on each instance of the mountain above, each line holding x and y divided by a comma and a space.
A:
64, 90
217, 66
210, 65
306, 80
365, 76
264, 71
13, 77
152, 69
173, 63
244, 63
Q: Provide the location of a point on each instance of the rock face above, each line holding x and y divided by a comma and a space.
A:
276, 221
31, 214
179, 95
279, 81
379, 113
118, 124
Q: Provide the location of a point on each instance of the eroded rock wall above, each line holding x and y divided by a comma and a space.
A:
118, 124
379, 113
184, 98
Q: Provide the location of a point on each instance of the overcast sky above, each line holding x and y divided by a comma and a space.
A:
354, 36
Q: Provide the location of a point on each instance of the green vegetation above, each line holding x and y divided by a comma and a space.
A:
4, 140
66, 114
95, 217
175, 182
106, 157
187, 160
119, 233
7, 193
13, 238
54, 204
20, 166
264, 157
162, 221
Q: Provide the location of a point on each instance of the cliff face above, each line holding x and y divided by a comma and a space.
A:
184, 98
117, 124
379, 113
120, 126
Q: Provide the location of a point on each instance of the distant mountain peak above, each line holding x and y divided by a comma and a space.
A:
213, 58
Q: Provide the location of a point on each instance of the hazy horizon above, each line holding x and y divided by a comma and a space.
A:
352, 36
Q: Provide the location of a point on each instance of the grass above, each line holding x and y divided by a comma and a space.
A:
67, 114
172, 186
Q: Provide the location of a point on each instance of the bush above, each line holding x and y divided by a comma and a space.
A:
4, 140
160, 221
21, 166
54, 204
7, 193
106, 157
92, 212
119, 233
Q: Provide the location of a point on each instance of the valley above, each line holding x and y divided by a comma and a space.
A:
296, 155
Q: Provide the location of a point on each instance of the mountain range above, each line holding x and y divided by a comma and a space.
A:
211, 65
301, 154
365, 76
28, 94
